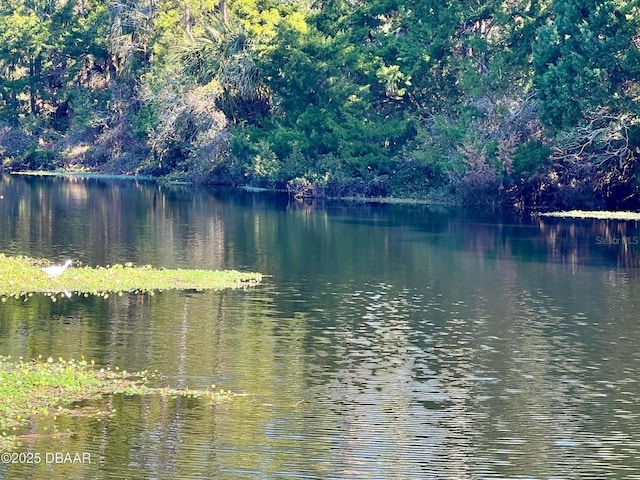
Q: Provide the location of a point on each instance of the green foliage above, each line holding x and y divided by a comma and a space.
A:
426, 161
529, 157
331, 97
264, 168
581, 59
223, 58
336, 97
44, 49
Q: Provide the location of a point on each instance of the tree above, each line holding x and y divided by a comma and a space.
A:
44, 46
223, 57
581, 58
334, 96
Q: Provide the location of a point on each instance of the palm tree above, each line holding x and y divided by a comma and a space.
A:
223, 56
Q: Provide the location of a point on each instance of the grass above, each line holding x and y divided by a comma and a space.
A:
23, 276
48, 388
593, 214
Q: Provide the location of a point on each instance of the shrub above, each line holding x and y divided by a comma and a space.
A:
301, 188
480, 183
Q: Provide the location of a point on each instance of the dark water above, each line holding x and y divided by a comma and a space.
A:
387, 342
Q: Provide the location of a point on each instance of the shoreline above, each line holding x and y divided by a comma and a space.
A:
246, 188
440, 202
81, 174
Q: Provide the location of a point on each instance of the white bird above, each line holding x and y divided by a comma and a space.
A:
55, 270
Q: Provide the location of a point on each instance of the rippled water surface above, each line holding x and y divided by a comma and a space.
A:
386, 342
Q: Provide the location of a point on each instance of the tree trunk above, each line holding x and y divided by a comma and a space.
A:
33, 73
224, 11
187, 18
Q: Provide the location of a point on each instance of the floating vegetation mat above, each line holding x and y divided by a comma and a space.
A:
23, 276
593, 214
49, 388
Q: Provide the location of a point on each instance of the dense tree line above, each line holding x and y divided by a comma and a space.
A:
493, 102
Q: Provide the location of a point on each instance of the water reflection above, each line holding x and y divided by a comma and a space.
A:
386, 342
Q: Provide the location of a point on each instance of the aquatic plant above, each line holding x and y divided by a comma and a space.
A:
43, 388
607, 215
49, 388
23, 276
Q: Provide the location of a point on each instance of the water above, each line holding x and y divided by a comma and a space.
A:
386, 342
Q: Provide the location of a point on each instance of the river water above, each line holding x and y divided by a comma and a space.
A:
386, 342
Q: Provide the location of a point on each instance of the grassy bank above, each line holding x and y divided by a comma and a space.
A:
24, 276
